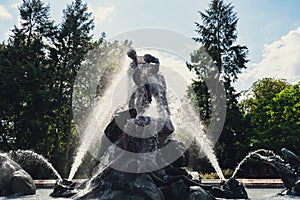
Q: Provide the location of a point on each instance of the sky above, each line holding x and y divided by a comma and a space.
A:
269, 28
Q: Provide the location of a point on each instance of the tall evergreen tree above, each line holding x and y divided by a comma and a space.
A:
73, 41
218, 35
24, 66
219, 59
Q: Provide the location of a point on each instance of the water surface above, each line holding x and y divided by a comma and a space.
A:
253, 193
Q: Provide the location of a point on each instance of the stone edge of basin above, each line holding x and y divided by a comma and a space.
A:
248, 183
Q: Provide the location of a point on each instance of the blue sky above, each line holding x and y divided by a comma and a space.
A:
269, 28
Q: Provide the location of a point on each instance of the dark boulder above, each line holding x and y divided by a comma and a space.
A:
13, 179
231, 189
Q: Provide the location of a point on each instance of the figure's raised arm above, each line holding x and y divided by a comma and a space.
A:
150, 59
153, 61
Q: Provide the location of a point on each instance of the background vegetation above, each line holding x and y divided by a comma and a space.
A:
40, 61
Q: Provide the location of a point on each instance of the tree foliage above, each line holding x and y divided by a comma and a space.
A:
38, 68
72, 42
273, 109
219, 59
24, 66
218, 35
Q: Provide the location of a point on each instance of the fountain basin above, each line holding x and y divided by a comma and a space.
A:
248, 183
256, 188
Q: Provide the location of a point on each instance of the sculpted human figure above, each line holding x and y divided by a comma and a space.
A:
150, 83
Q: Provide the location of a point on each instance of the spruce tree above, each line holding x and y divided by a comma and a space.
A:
219, 59
73, 41
24, 66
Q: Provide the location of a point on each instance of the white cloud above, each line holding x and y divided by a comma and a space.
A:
4, 14
281, 59
102, 13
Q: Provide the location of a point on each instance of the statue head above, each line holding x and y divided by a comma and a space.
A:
131, 53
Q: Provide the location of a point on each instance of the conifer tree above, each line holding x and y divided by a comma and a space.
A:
219, 59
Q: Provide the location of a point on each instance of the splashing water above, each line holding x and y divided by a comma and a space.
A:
30, 157
207, 148
105, 162
269, 152
185, 120
93, 128
188, 124
96, 121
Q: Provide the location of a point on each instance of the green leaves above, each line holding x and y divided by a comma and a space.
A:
38, 68
285, 108
275, 114
36, 65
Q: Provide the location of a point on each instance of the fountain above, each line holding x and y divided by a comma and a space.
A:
142, 158
288, 170
251, 154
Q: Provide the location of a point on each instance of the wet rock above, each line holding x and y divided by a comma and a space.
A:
13, 179
139, 135
64, 189
176, 191
231, 189
143, 134
198, 193
121, 185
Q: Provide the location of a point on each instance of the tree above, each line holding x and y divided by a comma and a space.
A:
72, 42
285, 117
24, 66
96, 74
38, 69
273, 109
219, 59
218, 35
260, 95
